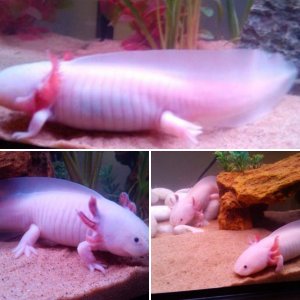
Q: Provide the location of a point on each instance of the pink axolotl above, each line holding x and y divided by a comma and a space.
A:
200, 205
281, 245
70, 214
173, 91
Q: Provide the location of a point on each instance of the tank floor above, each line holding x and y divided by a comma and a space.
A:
205, 260
56, 273
279, 129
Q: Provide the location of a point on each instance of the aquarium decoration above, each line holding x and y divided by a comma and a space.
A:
238, 161
21, 16
244, 196
169, 24
83, 167
137, 183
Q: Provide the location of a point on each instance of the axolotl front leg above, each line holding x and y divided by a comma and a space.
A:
39, 102
25, 245
93, 240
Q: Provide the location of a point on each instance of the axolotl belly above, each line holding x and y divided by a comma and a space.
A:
69, 214
173, 91
199, 205
281, 245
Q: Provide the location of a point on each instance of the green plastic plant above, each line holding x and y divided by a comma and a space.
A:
234, 23
83, 167
238, 161
139, 190
108, 186
86, 168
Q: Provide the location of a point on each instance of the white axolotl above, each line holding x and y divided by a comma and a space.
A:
73, 215
281, 245
172, 91
201, 204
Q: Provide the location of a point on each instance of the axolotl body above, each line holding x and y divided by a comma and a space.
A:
200, 205
173, 91
281, 245
70, 214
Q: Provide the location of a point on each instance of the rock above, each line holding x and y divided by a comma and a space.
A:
16, 164
274, 26
153, 226
160, 212
245, 195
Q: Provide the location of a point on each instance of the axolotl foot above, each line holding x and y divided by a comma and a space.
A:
25, 245
84, 250
97, 266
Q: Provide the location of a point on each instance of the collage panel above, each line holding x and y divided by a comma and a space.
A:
143, 74
74, 225
225, 224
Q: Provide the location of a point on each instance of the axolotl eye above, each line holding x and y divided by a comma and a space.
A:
136, 239
245, 266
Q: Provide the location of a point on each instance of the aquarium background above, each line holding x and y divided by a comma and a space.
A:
80, 19
107, 172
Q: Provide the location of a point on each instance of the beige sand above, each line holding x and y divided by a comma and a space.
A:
279, 129
205, 260
56, 273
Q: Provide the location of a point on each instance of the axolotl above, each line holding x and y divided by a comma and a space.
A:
70, 214
177, 92
281, 245
200, 205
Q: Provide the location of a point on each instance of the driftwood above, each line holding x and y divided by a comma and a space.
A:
245, 195
25, 163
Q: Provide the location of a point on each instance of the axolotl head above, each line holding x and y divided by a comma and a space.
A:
182, 210
21, 81
258, 256
119, 231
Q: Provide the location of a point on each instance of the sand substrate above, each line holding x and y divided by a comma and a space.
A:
56, 273
194, 261
279, 129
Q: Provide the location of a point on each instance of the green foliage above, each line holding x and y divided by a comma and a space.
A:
140, 188
108, 188
60, 169
235, 25
238, 161
83, 167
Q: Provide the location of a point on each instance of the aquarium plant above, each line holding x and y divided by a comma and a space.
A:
159, 23
234, 23
171, 23
20, 16
238, 161
87, 169
137, 183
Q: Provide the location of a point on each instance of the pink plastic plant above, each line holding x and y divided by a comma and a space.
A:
19, 16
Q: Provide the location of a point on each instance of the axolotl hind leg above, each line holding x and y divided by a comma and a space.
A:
176, 126
25, 245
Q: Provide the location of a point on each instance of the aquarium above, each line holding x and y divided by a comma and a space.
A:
74, 225
225, 224
143, 74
